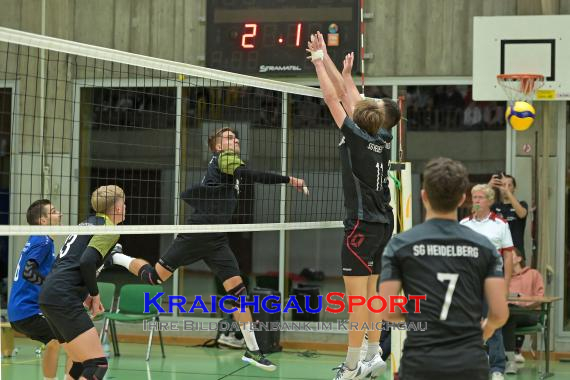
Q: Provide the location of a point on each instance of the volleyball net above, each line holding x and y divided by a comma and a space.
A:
76, 117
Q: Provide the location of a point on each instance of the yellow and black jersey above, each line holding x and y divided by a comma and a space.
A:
65, 278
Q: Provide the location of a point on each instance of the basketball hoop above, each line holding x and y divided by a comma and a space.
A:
520, 87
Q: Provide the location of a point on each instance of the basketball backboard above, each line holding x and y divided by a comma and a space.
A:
521, 44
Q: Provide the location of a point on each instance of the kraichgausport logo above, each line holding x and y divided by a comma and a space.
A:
272, 304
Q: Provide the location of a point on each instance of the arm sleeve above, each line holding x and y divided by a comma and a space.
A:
228, 162
32, 273
390, 266
495, 265
88, 264
260, 177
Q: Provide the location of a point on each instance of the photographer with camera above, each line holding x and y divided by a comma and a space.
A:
510, 208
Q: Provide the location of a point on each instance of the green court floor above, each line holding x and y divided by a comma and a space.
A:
211, 363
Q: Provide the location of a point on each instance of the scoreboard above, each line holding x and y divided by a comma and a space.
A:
270, 36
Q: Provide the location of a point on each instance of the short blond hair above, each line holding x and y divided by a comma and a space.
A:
368, 116
105, 197
485, 189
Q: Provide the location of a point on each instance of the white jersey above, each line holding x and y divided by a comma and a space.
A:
494, 228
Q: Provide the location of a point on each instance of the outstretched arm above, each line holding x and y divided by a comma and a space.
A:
270, 178
343, 84
352, 94
330, 95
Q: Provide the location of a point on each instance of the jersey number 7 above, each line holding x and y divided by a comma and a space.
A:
452, 278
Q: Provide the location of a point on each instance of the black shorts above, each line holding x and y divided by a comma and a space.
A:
362, 247
67, 322
445, 361
423, 374
213, 248
35, 327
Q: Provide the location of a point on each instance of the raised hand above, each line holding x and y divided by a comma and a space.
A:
321, 45
496, 181
299, 184
316, 54
347, 64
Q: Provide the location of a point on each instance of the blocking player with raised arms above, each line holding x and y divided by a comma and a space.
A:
214, 201
34, 264
455, 268
364, 154
72, 286
345, 87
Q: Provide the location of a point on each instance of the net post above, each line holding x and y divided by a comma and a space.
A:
283, 198
178, 152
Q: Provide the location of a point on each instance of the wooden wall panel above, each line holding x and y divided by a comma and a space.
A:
60, 18
499, 8
406, 37
140, 27
411, 37
178, 38
122, 24
162, 29
11, 15
538, 7
381, 37
31, 18
94, 22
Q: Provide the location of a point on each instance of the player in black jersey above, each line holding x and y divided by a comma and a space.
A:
455, 268
214, 201
365, 153
72, 284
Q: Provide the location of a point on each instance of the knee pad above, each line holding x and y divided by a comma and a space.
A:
239, 290
76, 370
95, 369
148, 274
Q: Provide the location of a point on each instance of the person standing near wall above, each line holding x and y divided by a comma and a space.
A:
510, 208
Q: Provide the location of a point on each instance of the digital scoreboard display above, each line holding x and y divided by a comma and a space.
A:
270, 36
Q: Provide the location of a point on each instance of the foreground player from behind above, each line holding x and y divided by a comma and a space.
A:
455, 268
214, 201
72, 285
33, 266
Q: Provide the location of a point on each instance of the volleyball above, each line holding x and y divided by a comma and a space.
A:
520, 116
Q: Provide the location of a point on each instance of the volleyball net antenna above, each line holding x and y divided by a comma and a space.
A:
76, 117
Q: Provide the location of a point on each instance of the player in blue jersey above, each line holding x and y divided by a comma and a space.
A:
34, 264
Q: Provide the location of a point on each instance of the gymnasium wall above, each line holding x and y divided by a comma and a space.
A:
405, 37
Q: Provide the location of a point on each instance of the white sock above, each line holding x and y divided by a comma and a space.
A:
373, 349
352, 357
510, 356
122, 260
249, 336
